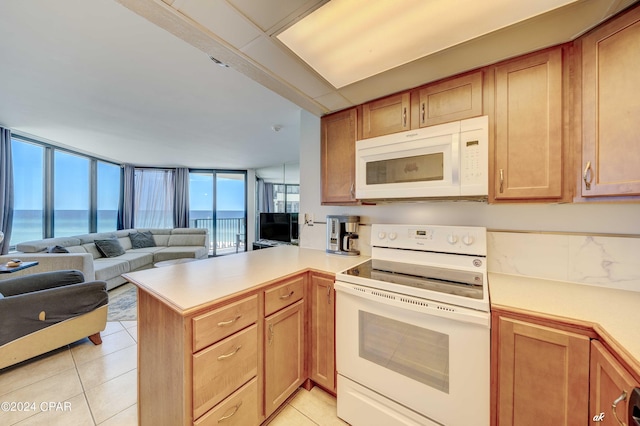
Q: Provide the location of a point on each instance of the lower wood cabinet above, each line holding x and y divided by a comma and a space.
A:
543, 375
610, 383
235, 362
550, 371
322, 368
284, 355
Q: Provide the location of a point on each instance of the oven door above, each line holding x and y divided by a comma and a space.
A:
421, 163
410, 351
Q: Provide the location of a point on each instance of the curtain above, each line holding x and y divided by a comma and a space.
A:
154, 198
126, 206
6, 189
181, 198
265, 196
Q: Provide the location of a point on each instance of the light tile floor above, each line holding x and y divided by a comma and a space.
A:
83, 384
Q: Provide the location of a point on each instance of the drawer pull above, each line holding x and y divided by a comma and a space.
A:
231, 321
230, 354
235, 410
615, 404
286, 296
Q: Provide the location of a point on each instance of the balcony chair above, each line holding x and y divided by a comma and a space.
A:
44, 311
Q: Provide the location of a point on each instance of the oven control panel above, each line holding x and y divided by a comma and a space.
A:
445, 239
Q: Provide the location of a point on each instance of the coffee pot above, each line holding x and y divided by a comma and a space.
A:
342, 234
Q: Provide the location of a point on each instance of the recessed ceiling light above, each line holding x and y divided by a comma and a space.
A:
349, 40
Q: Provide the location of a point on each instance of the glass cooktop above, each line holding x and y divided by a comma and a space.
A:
449, 281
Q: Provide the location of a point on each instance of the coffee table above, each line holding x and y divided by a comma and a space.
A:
4, 269
173, 262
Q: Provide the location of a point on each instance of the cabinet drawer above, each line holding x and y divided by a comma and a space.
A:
216, 325
222, 368
283, 295
241, 408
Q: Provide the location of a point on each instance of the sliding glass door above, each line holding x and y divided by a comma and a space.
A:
217, 201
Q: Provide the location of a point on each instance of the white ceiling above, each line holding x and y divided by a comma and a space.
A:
94, 76
135, 84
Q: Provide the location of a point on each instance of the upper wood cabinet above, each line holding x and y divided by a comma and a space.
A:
610, 108
454, 99
542, 374
610, 382
528, 144
385, 116
338, 157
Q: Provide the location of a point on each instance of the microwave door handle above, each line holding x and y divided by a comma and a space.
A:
455, 159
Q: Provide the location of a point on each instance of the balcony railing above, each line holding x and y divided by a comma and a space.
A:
229, 234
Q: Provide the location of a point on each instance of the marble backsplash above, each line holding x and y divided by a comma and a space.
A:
607, 261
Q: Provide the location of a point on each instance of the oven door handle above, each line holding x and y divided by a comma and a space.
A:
424, 306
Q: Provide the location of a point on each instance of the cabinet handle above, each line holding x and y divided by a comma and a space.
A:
621, 398
235, 410
422, 113
270, 333
231, 321
502, 181
353, 195
587, 171
230, 354
328, 294
404, 117
286, 296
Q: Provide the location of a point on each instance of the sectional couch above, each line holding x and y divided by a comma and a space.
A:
84, 255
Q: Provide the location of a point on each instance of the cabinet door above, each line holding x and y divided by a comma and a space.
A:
543, 375
609, 380
322, 350
338, 157
386, 116
528, 139
284, 355
610, 108
454, 99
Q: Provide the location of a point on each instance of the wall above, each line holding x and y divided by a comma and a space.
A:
550, 219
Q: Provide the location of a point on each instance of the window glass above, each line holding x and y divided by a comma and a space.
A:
201, 204
71, 194
28, 172
108, 196
230, 212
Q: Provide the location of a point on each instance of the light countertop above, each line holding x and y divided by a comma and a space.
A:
188, 286
614, 310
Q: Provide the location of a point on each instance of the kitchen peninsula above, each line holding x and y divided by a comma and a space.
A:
218, 332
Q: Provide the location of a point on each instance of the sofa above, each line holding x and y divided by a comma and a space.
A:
80, 252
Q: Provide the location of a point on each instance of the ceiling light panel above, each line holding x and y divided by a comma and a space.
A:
349, 40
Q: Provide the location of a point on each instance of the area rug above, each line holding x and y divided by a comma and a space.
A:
122, 303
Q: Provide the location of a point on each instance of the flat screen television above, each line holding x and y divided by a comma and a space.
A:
279, 226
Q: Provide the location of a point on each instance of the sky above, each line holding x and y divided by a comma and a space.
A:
72, 183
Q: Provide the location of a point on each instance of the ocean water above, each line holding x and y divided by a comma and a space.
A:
27, 224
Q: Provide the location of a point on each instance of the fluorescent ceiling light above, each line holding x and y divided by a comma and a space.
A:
349, 40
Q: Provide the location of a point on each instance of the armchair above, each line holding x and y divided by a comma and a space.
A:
44, 311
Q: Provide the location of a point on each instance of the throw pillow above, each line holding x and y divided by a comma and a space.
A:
57, 249
110, 247
142, 239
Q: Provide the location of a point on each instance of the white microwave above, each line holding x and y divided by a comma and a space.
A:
443, 161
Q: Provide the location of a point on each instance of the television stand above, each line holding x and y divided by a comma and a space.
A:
263, 244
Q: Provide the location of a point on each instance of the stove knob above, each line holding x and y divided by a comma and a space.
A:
382, 235
393, 236
467, 239
452, 239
